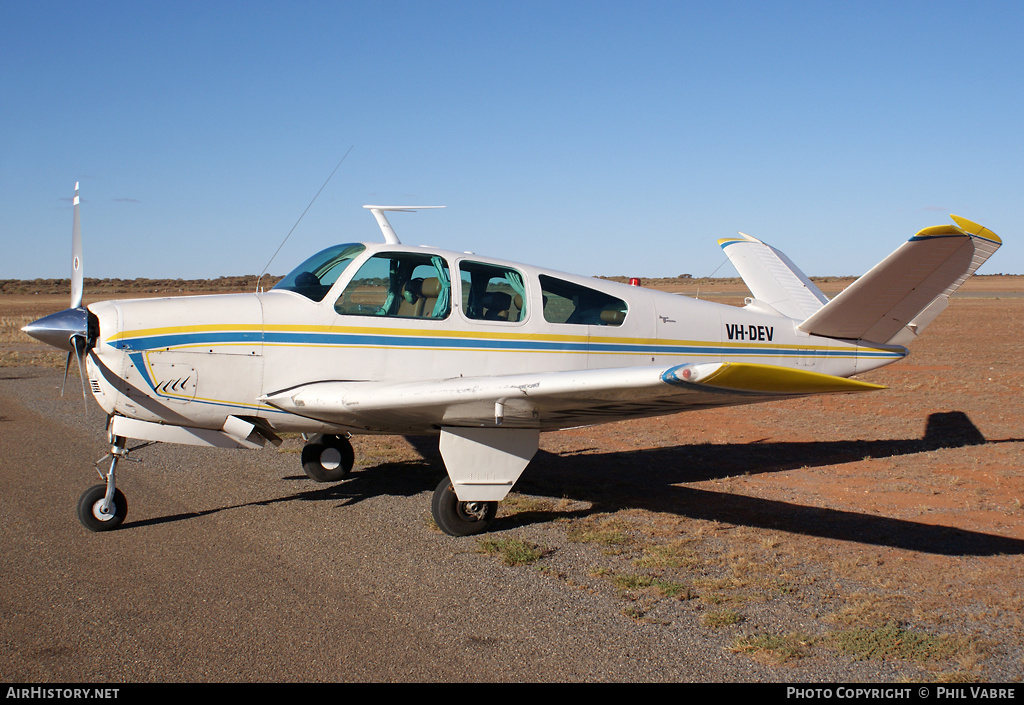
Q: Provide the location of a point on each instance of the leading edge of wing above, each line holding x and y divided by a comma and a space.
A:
553, 399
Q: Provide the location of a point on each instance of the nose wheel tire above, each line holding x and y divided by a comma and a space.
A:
327, 458
90, 509
457, 518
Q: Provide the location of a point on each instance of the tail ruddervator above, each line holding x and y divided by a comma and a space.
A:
891, 304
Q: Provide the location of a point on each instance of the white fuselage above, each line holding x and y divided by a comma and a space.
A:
194, 361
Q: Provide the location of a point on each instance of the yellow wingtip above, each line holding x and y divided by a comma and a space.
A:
939, 231
974, 229
754, 377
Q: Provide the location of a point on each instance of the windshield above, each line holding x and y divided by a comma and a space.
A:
314, 277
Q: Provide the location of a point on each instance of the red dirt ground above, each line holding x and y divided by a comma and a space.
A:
906, 503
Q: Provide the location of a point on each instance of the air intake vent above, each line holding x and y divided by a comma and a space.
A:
95, 386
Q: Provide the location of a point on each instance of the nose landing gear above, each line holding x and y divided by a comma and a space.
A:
97, 514
104, 507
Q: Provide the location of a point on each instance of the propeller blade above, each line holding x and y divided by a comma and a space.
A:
81, 344
67, 365
77, 275
70, 329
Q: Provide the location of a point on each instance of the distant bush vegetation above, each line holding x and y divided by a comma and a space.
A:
247, 283
219, 285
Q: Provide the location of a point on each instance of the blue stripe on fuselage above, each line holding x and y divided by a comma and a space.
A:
299, 339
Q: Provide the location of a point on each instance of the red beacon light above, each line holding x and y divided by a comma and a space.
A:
634, 281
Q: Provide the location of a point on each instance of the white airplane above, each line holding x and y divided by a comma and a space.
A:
484, 353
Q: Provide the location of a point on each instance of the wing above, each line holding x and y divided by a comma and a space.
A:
551, 400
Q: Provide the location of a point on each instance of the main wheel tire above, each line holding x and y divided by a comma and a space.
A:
457, 518
90, 511
327, 458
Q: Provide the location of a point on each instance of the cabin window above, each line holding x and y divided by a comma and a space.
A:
315, 277
492, 293
565, 302
398, 285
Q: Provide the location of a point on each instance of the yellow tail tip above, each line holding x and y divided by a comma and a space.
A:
974, 229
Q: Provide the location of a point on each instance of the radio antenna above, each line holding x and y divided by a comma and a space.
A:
697, 296
260, 278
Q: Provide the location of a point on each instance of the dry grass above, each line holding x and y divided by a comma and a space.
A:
513, 551
776, 649
17, 349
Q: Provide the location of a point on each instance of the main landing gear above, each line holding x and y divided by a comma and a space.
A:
327, 458
457, 518
330, 458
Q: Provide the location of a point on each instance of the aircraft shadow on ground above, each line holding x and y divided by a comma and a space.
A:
388, 479
651, 478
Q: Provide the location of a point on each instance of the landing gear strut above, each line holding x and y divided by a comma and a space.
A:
104, 507
457, 518
327, 458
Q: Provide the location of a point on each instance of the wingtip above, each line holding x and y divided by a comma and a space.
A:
758, 378
975, 229
743, 237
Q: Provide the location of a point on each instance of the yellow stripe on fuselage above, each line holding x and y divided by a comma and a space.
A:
483, 335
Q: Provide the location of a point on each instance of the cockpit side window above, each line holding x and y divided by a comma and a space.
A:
565, 302
492, 293
315, 277
398, 285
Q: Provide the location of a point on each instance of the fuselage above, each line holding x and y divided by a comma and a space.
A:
391, 312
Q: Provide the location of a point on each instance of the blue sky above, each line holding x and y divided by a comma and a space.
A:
604, 138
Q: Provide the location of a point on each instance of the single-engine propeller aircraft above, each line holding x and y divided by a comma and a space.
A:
484, 353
